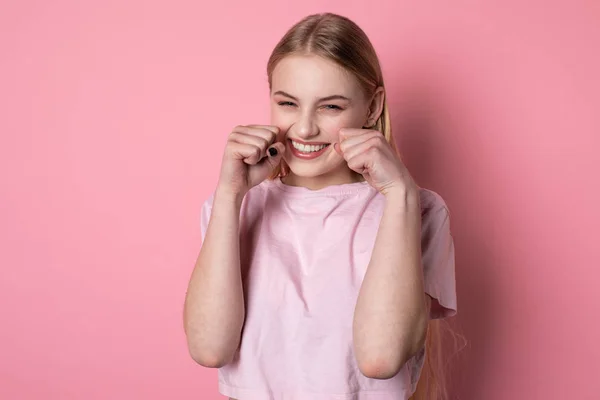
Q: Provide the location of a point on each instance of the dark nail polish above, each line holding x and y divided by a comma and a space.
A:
272, 151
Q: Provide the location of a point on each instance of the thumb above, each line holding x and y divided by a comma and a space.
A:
336, 147
274, 154
271, 161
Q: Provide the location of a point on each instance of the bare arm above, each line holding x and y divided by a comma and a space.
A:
391, 315
214, 303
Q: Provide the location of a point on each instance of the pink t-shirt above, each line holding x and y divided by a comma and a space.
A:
304, 254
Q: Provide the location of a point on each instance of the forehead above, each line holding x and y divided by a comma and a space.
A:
311, 75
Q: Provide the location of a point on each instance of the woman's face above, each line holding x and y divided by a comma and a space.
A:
311, 99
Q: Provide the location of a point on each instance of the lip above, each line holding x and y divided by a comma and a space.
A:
306, 156
309, 143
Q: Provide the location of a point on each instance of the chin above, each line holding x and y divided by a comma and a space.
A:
306, 171
313, 170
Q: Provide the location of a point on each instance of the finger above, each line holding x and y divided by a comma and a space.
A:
269, 133
249, 153
373, 142
275, 153
267, 166
271, 128
349, 132
336, 147
352, 141
257, 141
362, 162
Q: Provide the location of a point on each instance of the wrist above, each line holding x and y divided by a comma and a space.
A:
227, 195
402, 195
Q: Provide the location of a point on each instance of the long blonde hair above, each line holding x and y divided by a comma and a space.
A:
337, 38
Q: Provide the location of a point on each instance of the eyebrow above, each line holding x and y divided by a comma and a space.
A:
332, 97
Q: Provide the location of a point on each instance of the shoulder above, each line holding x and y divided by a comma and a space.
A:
435, 214
432, 204
209, 201
252, 200
207, 205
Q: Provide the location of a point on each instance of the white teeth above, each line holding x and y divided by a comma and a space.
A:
308, 148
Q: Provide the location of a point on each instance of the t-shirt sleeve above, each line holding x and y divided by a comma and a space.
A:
205, 216
437, 249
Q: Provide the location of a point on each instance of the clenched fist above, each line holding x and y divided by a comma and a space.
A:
251, 154
368, 153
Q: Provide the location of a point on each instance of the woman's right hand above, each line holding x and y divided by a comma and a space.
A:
251, 155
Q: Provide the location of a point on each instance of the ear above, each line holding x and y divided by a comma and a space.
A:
375, 107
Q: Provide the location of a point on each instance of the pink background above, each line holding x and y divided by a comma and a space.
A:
113, 117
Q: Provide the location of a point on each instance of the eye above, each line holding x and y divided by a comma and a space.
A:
332, 107
286, 104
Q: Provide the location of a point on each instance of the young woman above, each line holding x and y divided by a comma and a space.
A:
324, 267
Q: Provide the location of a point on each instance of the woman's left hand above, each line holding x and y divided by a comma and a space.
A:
368, 152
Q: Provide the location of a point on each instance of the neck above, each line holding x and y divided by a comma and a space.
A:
340, 177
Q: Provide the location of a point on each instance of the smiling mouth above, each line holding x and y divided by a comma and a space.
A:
308, 148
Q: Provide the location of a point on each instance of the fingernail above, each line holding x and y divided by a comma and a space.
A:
272, 151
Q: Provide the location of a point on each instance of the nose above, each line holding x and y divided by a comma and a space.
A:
306, 126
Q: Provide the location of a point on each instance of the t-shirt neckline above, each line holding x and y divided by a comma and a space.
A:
332, 190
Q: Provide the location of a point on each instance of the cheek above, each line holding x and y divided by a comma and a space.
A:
331, 125
330, 128
281, 120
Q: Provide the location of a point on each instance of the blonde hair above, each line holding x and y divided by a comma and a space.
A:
340, 40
